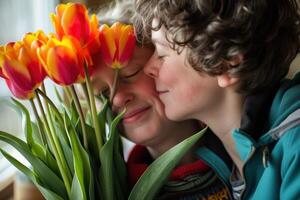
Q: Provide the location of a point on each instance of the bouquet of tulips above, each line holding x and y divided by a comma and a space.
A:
73, 155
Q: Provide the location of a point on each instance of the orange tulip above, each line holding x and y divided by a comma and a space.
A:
72, 19
117, 44
62, 60
20, 65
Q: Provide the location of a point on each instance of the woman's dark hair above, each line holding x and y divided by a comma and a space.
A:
263, 33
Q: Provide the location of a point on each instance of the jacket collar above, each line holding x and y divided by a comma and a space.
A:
254, 122
256, 111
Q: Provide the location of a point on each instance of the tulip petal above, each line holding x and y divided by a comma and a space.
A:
2, 58
108, 46
33, 65
93, 44
18, 73
42, 56
19, 93
62, 65
94, 25
28, 39
10, 51
75, 22
60, 9
117, 44
126, 44
57, 25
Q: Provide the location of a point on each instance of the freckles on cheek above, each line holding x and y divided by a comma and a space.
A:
189, 93
187, 96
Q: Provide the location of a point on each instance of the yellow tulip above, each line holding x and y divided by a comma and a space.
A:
117, 44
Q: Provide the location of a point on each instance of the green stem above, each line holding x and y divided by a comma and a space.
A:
40, 125
113, 92
81, 116
52, 105
61, 162
45, 102
67, 95
93, 109
85, 90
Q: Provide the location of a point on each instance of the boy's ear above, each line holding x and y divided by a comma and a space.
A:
225, 80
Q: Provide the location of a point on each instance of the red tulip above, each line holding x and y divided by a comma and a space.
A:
72, 20
20, 65
63, 60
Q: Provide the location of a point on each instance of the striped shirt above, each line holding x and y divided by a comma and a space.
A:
188, 182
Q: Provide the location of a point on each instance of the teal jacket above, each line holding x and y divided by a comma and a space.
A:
214, 154
272, 160
269, 144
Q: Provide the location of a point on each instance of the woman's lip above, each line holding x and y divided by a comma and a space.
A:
135, 115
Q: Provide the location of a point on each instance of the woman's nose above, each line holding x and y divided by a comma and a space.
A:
121, 98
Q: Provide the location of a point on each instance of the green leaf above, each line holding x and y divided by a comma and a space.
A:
157, 173
26, 122
83, 172
107, 168
50, 195
102, 119
51, 162
40, 168
36, 133
58, 96
77, 192
59, 126
65, 144
18, 165
121, 170
92, 142
31, 134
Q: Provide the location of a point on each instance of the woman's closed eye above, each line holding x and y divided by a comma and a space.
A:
131, 74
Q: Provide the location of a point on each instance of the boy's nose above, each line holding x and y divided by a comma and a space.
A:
151, 67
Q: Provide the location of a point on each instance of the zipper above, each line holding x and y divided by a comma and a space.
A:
243, 170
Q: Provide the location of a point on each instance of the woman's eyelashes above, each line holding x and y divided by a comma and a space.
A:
132, 74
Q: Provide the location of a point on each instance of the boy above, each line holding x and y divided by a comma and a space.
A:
224, 63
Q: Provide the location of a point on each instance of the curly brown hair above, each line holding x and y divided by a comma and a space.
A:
264, 32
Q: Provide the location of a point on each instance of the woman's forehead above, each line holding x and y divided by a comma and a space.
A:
142, 53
